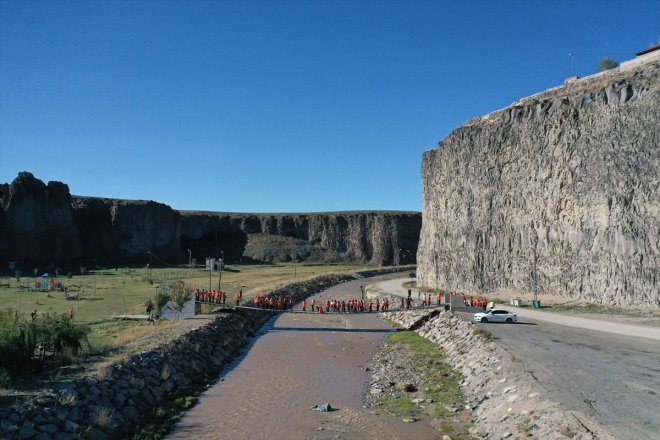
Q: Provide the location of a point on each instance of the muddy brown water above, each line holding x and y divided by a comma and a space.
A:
295, 362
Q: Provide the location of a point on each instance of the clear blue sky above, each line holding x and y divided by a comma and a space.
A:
277, 106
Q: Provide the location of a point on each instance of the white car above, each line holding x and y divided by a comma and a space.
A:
496, 315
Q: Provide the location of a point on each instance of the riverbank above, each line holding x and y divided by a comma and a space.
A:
505, 400
118, 398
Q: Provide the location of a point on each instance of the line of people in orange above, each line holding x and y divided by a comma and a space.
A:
267, 301
210, 296
474, 302
350, 306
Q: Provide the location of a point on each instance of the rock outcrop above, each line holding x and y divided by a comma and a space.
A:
43, 223
557, 193
36, 220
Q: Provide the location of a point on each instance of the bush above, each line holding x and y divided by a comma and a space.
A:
66, 336
160, 300
18, 342
607, 64
23, 344
180, 294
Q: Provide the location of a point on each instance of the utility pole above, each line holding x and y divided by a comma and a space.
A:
222, 263
151, 259
189, 259
209, 265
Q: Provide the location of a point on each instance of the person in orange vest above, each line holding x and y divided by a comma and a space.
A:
313, 304
304, 304
271, 303
238, 299
327, 305
438, 297
371, 305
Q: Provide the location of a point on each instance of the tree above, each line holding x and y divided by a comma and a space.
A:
607, 64
180, 294
160, 300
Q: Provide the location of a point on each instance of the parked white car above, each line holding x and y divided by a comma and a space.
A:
496, 315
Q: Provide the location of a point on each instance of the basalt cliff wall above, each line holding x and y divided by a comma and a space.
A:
556, 194
42, 223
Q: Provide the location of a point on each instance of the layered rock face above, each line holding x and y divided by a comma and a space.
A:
44, 223
555, 194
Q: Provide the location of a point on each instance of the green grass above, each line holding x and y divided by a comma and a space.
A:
439, 383
105, 293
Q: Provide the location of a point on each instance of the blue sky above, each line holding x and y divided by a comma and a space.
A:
277, 106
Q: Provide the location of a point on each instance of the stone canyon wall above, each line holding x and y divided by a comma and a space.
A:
555, 194
42, 223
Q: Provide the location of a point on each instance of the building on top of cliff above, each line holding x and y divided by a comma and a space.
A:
649, 54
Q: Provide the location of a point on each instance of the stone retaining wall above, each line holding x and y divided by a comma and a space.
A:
119, 398
505, 400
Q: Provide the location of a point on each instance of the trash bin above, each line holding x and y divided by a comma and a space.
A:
536, 304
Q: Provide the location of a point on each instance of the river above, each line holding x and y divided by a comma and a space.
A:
295, 362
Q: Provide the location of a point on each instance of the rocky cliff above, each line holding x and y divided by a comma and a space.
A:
557, 193
43, 223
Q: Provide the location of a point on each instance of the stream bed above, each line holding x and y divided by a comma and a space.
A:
299, 360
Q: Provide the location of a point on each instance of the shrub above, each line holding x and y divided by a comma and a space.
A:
607, 64
20, 340
180, 294
160, 300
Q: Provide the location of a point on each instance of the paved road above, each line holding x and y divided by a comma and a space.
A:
613, 378
609, 371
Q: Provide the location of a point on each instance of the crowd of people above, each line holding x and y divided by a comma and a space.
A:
475, 302
343, 306
210, 296
269, 301
272, 302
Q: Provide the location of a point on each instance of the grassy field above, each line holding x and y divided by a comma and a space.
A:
102, 294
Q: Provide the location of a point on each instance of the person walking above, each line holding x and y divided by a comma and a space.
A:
304, 304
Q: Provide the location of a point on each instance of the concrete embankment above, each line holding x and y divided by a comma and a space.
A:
505, 399
120, 398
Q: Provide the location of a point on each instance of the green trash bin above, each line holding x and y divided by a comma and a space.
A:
536, 304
